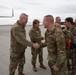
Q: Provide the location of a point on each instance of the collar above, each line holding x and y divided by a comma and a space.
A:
22, 26
37, 29
51, 31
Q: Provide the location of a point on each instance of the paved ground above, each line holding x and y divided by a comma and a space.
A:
4, 54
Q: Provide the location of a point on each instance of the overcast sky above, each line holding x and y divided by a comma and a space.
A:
36, 9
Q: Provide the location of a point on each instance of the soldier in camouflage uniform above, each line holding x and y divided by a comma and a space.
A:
35, 36
68, 37
72, 28
18, 45
55, 42
57, 23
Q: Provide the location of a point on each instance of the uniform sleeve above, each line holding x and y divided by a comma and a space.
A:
33, 36
20, 38
61, 50
74, 35
70, 35
43, 44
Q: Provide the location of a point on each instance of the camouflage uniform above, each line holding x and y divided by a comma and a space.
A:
68, 36
17, 48
71, 52
57, 25
55, 42
73, 30
35, 36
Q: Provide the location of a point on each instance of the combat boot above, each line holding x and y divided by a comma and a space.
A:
42, 66
34, 68
21, 73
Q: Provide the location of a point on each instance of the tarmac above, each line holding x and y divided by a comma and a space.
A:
5, 53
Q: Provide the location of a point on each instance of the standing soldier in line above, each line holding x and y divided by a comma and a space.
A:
35, 36
57, 23
55, 42
68, 37
72, 28
18, 45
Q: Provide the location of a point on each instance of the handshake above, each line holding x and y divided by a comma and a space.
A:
36, 45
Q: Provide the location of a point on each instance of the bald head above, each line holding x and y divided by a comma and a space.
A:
23, 15
49, 18
48, 21
23, 18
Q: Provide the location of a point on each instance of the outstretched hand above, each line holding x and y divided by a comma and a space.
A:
36, 45
55, 68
